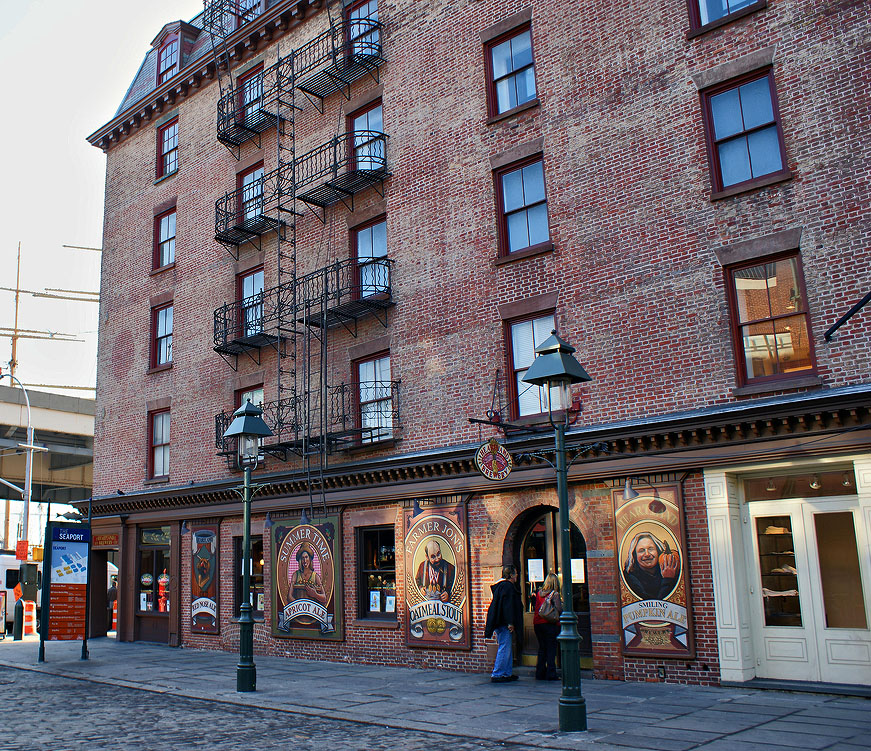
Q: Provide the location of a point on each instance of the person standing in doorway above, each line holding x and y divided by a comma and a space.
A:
504, 619
547, 627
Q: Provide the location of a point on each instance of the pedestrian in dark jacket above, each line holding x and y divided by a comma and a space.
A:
504, 619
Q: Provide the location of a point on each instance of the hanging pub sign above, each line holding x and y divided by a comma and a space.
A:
493, 460
204, 585
307, 592
654, 600
437, 576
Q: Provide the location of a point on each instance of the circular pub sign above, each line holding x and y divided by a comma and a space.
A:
493, 460
146, 580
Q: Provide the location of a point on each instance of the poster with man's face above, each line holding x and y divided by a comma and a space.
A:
437, 577
204, 579
307, 594
654, 604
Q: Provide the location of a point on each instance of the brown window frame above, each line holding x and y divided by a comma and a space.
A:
504, 250
156, 340
355, 259
163, 75
349, 121
156, 265
706, 95
695, 16
492, 95
736, 325
511, 371
242, 83
359, 404
352, 39
240, 185
364, 570
164, 160
152, 446
240, 292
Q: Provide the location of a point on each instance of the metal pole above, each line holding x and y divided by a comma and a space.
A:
28, 480
88, 589
572, 707
246, 671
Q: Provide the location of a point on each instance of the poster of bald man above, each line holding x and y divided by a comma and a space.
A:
437, 575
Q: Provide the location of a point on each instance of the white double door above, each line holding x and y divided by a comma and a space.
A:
810, 589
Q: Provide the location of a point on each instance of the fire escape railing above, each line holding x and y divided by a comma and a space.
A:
223, 17
243, 214
349, 423
248, 108
252, 322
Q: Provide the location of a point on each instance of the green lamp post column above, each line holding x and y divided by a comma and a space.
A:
556, 369
248, 427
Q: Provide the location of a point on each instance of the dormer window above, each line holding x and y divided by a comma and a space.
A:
167, 60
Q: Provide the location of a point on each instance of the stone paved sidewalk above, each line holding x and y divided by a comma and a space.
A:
522, 714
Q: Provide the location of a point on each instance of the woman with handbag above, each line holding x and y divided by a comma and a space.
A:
548, 607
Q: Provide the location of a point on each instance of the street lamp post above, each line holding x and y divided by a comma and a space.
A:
248, 427
555, 369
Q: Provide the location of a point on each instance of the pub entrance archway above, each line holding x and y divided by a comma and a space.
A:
537, 553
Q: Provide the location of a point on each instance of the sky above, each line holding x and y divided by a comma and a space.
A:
68, 67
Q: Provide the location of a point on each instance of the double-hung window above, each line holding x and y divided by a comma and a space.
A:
164, 239
370, 246
745, 139
525, 336
368, 129
161, 326
158, 430
770, 320
167, 149
522, 207
704, 12
375, 399
251, 194
511, 71
167, 60
363, 34
251, 96
251, 296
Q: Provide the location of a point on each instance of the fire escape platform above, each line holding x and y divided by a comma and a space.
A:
235, 132
242, 231
342, 186
245, 343
340, 74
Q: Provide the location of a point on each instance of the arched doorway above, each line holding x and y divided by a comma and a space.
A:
537, 550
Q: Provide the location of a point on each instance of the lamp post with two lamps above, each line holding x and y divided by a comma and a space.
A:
555, 369
248, 427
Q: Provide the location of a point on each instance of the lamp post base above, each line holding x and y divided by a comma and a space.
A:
572, 714
246, 678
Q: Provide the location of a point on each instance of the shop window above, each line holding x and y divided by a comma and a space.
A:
250, 184
374, 390
167, 60
255, 575
363, 39
251, 96
522, 205
250, 291
524, 337
164, 239
167, 149
745, 139
370, 250
710, 12
511, 72
158, 435
376, 572
368, 128
161, 336
776, 547
770, 320
154, 568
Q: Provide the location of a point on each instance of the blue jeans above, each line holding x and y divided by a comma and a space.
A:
504, 663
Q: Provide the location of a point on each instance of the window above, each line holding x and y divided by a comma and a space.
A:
253, 395
525, 336
167, 60
704, 12
251, 96
247, 10
164, 239
161, 326
511, 72
363, 36
154, 567
251, 295
376, 572
522, 207
376, 402
370, 250
368, 128
251, 193
158, 430
255, 575
167, 149
745, 140
770, 320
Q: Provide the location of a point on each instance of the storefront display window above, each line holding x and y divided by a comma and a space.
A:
154, 568
255, 579
376, 548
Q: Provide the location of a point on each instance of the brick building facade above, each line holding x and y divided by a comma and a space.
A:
399, 202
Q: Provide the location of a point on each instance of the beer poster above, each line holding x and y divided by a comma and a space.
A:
654, 600
437, 576
307, 589
204, 579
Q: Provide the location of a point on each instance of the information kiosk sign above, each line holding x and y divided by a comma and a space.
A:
67, 569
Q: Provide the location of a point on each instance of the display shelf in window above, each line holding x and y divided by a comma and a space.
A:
780, 594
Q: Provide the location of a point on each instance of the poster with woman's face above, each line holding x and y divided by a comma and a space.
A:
204, 576
307, 599
654, 606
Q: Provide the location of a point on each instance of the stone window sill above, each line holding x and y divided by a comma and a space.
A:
531, 104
